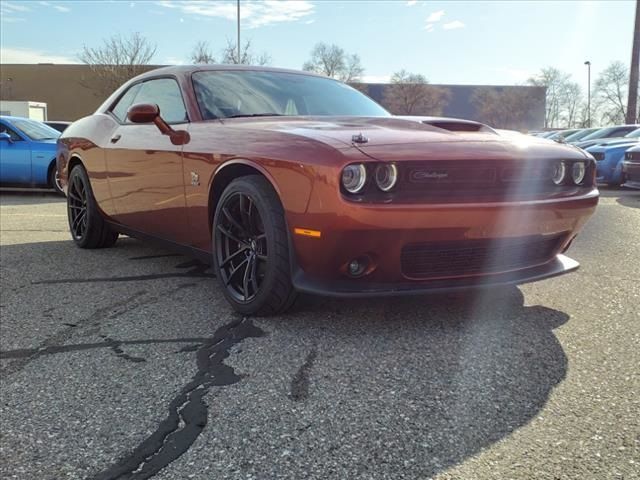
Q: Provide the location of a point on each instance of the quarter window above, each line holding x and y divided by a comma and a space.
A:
120, 109
14, 136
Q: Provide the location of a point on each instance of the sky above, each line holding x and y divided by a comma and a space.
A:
461, 42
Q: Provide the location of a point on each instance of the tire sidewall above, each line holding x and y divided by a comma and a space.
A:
266, 214
80, 172
52, 180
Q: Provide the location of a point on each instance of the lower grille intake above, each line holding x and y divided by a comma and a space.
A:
472, 257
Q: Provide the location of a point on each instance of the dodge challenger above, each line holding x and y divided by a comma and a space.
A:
289, 182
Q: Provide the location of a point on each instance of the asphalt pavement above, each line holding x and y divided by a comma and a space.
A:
127, 363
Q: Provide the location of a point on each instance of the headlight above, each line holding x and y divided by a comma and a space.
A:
354, 177
558, 173
386, 176
578, 172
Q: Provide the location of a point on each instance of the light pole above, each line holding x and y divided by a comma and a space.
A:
588, 64
238, 3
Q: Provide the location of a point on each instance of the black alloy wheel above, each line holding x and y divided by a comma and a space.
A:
88, 227
251, 252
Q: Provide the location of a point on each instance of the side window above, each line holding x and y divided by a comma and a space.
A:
120, 109
165, 93
14, 136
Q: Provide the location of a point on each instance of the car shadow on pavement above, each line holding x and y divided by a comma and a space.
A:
29, 196
412, 384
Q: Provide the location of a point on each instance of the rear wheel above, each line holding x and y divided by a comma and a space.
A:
54, 180
88, 228
251, 248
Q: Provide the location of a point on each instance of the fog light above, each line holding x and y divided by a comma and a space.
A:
558, 173
358, 266
578, 172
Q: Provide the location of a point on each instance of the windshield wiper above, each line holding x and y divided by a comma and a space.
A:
255, 115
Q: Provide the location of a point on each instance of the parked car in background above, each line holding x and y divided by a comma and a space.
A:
289, 181
629, 137
631, 167
576, 136
609, 161
60, 126
604, 133
28, 153
562, 134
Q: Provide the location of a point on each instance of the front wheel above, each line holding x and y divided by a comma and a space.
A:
251, 248
88, 228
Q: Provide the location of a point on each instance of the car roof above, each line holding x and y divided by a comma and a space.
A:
13, 119
188, 69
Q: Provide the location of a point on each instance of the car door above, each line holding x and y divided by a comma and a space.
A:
144, 169
15, 157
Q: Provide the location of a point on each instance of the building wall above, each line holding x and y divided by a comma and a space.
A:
74, 91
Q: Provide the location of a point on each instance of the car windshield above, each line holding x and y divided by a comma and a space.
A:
633, 134
36, 130
226, 94
580, 134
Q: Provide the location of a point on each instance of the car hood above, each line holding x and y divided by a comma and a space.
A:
405, 137
612, 146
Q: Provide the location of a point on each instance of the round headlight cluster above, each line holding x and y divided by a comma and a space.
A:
386, 176
576, 172
559, 171
354, 177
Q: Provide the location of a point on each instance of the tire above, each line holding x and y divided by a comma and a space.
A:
54, 182
88, 228
251, 248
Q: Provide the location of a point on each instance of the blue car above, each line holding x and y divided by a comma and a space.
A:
28, 154
609, 161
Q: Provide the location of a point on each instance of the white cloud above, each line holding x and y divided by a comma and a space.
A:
253, 14
453, 25
411, 3
309, 22
14, 7
429, 27
59, 8
26, 55
435, 16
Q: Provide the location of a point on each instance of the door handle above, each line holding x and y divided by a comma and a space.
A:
115, 138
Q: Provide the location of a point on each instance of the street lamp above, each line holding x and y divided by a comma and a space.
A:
588, 64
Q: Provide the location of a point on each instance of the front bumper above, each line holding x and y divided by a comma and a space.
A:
381, 232
346, 288
631, 171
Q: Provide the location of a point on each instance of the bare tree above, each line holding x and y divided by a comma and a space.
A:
246, 56
332, 61
118, 59
202, 54
411, 94
571, 95
555, 81
610, 93
505, 107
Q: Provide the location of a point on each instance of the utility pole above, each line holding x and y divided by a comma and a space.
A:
588, 64
632, 101
238, 3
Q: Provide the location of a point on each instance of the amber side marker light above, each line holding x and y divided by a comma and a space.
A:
305, 232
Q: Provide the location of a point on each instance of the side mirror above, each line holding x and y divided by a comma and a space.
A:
150, 113
143, 113
4, 136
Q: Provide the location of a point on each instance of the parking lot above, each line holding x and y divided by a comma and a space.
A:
128, 363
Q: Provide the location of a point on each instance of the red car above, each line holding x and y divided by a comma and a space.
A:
292, 182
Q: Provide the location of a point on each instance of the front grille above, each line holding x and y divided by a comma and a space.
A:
599, 156
472, 257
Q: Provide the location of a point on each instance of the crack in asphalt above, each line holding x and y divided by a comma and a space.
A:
99, 314
197, 270
107, 343
300, 381
188, 413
